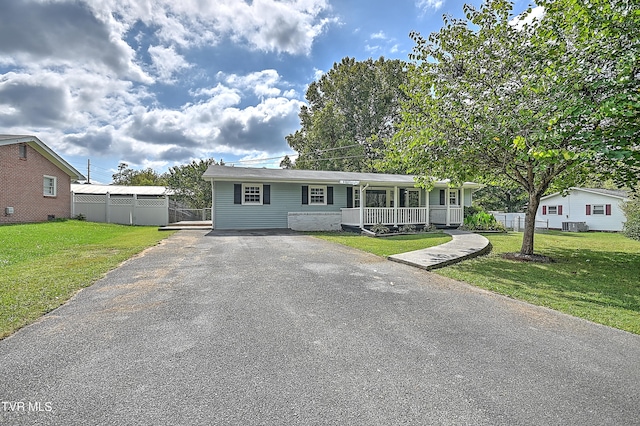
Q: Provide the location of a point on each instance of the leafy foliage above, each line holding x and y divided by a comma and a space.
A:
380, 229
596, 67
350, 110
493, 101
188, 186
501, 198
631, 227
407, 228
482, 221
130, 177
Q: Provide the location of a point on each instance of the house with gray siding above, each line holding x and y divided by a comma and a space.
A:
310, 200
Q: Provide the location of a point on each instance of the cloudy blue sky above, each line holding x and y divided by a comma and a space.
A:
156, 83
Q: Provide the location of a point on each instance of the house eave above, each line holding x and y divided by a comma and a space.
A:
44, 150
587, 190
218, 173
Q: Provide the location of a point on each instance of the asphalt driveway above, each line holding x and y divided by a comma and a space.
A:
286, 329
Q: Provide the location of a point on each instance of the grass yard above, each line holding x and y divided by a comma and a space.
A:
42, 265
385, 246
596, 275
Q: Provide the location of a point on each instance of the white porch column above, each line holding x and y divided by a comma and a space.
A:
427, 205
363, 202
447, 198
395, 206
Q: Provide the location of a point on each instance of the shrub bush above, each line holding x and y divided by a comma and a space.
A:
631, 227
482, 221
380, 229
407, 228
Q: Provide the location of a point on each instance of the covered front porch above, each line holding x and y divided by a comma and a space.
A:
397, 206
369, 216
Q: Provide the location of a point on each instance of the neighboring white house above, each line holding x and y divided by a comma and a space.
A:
599, 209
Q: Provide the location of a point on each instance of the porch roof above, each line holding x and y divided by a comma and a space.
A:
227, 173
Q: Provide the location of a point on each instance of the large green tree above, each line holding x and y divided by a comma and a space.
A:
596, 66
130, 177
490, 100
349, 111
187, 184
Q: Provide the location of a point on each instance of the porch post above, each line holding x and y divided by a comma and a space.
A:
427, 205
447, 199
362, 201
395, 206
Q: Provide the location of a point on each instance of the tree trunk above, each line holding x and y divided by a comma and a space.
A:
530, 224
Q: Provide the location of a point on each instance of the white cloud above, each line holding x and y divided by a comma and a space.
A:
537, 13
429, 4
379, 36
261, 83
79, 72
166, 62
269, 25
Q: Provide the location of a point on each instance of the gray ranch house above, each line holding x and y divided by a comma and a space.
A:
309, 200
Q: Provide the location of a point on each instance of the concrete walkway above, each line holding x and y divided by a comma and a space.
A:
464, 245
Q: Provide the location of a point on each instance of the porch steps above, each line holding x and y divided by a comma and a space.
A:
464, 245
191, 225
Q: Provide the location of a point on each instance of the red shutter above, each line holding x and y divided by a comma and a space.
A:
608, 209
588, 209
544, 209
559, 210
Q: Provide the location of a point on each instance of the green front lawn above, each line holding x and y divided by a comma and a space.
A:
42, 265
596, 275
385, 246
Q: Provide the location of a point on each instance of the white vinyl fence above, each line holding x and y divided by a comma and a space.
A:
124, 209
515, 221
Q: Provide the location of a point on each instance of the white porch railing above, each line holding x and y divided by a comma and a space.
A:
438, 215
385, 216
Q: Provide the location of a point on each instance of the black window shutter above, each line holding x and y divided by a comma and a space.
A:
237, 193
442, 201
402, 196
460, 203
305, 194
266, 194
329, 194
350, 197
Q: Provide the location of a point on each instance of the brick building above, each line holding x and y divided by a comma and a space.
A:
35, 182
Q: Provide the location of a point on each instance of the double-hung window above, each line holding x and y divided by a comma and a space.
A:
453, 197
49, 186
598, 209
318, 195
251, 193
